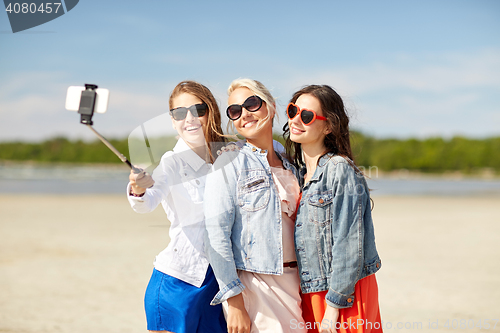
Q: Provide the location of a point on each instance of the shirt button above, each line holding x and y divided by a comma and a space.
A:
321, 201
197, 182
254, 149
262, 151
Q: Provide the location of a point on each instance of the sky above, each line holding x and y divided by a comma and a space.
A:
404, 68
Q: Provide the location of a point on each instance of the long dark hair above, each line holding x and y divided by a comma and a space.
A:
337, 141
213, 130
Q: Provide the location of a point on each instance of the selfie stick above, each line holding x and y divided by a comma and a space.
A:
86, 110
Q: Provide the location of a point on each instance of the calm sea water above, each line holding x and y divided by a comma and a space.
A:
24, 179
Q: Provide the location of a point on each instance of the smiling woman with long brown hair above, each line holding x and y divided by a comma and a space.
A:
334, 234
182, 284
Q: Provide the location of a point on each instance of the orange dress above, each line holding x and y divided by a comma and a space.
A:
362, 317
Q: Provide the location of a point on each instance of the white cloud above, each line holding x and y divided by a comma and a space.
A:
435, 74
417, 96
404, 96
32, 108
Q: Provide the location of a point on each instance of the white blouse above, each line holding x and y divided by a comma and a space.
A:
179, 186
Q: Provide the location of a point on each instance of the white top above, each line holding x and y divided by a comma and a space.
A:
179, 186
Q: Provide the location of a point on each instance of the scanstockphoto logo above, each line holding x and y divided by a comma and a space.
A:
27, 14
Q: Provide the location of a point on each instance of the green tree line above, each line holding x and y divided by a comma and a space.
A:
63, 150
427, 155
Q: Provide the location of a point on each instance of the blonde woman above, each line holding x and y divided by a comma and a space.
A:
250, 200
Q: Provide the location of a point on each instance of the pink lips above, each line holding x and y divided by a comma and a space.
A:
248, 122
192, 128
295, 130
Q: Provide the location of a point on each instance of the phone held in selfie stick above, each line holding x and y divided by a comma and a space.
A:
87, 100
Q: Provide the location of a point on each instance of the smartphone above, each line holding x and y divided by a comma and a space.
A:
75, 93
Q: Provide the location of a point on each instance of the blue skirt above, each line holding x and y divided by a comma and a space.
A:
176, 306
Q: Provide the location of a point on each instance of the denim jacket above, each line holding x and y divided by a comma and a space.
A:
334, 236
242, 218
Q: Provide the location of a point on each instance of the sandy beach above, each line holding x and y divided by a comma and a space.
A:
81, 263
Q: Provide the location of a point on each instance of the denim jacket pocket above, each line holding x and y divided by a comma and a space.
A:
372, 266
320, 204
253, 190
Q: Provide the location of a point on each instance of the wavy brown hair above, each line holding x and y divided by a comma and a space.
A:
213, 131
337, 141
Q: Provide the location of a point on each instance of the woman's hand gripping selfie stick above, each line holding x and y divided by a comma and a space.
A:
87, 103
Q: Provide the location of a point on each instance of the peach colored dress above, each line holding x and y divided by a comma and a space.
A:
273, 302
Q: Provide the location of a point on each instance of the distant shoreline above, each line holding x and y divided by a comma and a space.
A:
370, 172
29, 163
484, 174
448, 158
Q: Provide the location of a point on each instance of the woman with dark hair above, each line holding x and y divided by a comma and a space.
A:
334, 236
183, 284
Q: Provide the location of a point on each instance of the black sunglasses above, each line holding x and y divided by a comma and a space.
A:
252, 104
197, 110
